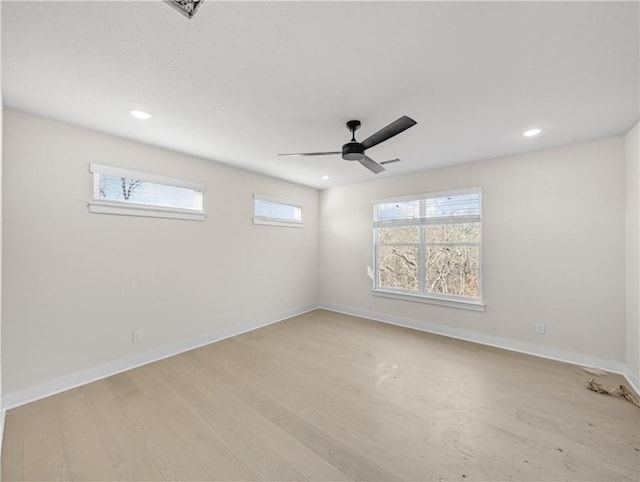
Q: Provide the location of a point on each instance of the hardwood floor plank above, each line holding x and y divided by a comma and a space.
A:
50, 468
173, 460
86, 457
13, 449
127, 454
42, 433
209, 449
257, 434
338, 417
350, 462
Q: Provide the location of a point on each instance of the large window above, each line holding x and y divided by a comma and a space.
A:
121, 191
428, 248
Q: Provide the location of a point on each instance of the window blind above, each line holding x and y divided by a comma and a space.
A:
267, 210
431, 209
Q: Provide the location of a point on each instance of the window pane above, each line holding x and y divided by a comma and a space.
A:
128, 189
455, 205
275, 210
398, 267
453, 270
402, 210
453, 233
410, 234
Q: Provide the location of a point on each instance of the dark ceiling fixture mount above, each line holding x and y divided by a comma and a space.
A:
354, 150
188, 8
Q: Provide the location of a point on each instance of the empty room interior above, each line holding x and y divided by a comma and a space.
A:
320, 240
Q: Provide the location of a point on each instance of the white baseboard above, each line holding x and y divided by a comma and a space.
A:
495, 341
632, 378
46, 389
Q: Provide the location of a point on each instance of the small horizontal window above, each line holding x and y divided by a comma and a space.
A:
121, 191
276, 212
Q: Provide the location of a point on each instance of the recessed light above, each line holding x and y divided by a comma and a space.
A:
138, 114
532, 132
325, 178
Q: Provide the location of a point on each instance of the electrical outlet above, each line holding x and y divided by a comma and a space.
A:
287, 299
136, 336
540, 328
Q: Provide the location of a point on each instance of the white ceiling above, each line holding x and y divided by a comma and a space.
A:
243, 81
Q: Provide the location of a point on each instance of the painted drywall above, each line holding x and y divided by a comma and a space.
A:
77, 284
553, 252
2, 411
632, 251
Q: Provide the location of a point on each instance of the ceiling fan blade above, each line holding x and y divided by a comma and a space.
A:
395, 128
372, 165
389, 162
298, 154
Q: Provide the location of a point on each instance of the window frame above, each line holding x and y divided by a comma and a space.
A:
420, 295
126, 208
271, 221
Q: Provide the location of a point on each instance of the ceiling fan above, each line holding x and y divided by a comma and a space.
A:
354, 150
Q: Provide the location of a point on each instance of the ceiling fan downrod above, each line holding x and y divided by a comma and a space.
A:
353, 151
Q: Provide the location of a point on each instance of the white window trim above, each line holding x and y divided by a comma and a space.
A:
459, 302
430, 298
415, 197
279, 222
131, 209
267, 221
99, 206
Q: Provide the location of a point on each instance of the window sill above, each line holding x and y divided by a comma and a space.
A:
272, 222
101, 207
463, 304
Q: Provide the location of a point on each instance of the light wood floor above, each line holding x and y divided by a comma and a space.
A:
326, 396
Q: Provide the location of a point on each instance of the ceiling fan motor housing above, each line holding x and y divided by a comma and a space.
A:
352, 151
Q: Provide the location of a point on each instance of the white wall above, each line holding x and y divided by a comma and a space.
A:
2, 413
553, 233
76, 284
632, 261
